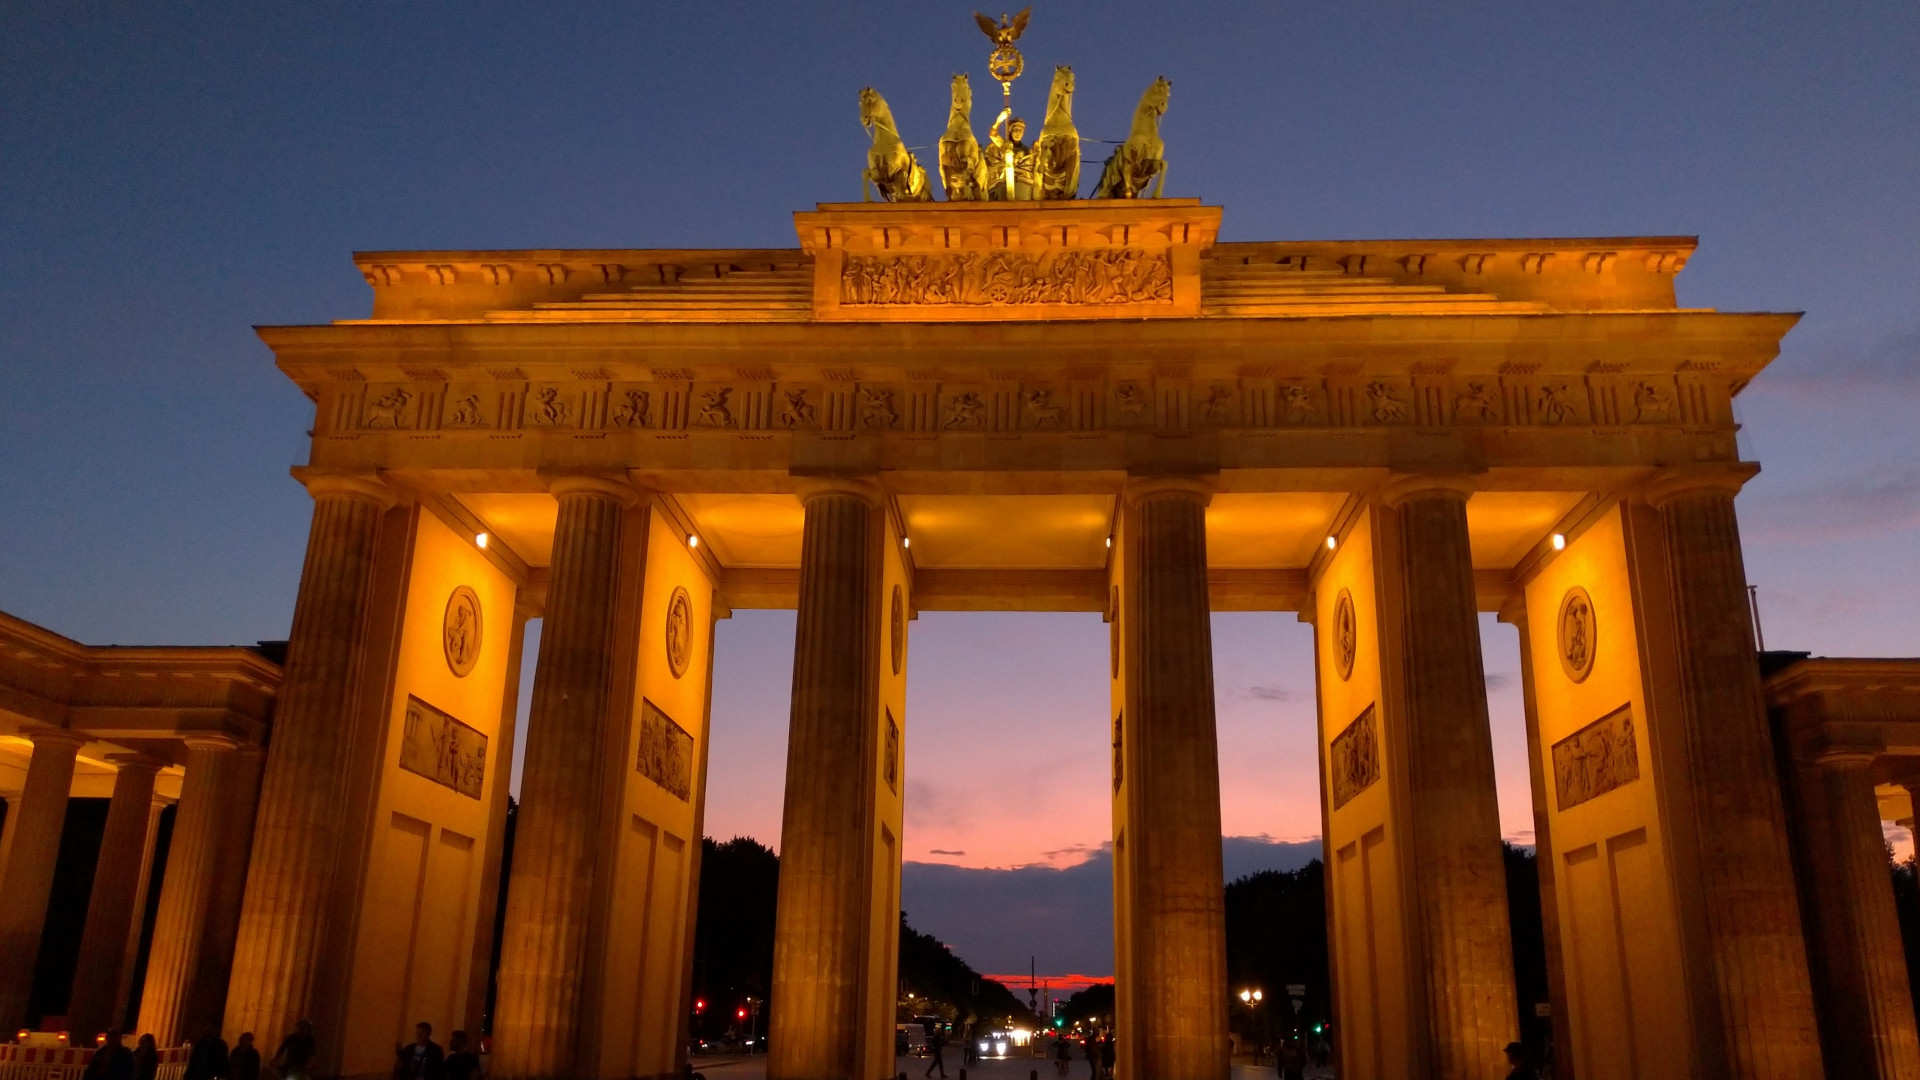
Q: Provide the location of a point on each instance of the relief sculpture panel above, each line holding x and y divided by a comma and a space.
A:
1596, 759
443, 749
1120, 276
1354, 759
666, 752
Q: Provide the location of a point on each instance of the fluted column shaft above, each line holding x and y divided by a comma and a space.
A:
1866, 1005
825, 851
28, 852
556, 848
297, 836
1173, 825
1755, 945
93, 1006
194, 860
1458, 894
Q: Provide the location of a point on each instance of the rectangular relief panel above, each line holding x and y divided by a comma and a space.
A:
1355, 757
443, 749
1596, 759
666, 752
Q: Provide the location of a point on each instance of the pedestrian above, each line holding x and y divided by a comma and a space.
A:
208, 1059
296, 1052
1106, 1056
1292, 1061
1062, 1055
1522, 1068
111, 1060
1092, 1048
146, 1059
464, 1064
421, 1059
244, 1062
936, 1043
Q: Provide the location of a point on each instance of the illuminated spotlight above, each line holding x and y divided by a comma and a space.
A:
1559, 541
1109, 541
693, 541
906, 541
1332, 543
480, 541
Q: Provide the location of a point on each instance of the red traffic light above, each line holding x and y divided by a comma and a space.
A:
699, 1004
741, 1013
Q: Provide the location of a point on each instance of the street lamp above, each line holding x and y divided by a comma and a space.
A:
1251, 996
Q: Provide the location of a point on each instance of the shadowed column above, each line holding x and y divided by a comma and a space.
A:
1753, 944
1457, 888
1866, 1006
825, 849
297, 836
97, 977
27, 855
195, 855
557, 843
1178, 924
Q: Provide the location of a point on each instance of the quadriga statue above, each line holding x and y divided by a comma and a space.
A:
891, 168
1057, 152
963, 169
1142, 158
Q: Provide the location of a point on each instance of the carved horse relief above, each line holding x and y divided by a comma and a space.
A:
1057, 152
1142, 158
891, 168
963, 170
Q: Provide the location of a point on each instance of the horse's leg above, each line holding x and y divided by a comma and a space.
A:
1162, 185
865, 175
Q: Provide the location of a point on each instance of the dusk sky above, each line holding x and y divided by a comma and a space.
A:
170, 177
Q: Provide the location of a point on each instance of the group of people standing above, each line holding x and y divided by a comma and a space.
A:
209, 1058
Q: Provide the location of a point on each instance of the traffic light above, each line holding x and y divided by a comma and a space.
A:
699, 1005
1059, 1021
741, 1013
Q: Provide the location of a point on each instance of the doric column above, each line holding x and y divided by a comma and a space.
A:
1457, 896
297, 836
93, 1006
1178, 924
31, 846
195, 854
1742, 882
123, 997
1867, 1025
825, 846
562, 802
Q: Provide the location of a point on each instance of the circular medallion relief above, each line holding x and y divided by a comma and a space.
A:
1346, 635
460, 631
899, 629
679, 631
1578, 634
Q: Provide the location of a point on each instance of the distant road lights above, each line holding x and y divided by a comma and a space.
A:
480, 541
1559, 541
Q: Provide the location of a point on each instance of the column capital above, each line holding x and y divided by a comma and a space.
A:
1405, 487
57, 737
135, 762
1141, 488
615, 487
1846, 754
364, 485
1666, 485
210, 741
810, 488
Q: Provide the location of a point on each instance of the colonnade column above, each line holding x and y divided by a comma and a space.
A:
557, 845
1175, 933
174, 1003
1739, 901
1449, 811
826, 850
97, 977
283, 935
28, 851
1867, 1027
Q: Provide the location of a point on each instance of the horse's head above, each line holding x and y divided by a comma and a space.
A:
962, 94
1155, 99
1063, 79
873, 108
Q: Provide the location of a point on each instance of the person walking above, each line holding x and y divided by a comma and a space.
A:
146, 1059
1106, 1057
462, 1062
422, 1059
111, 1060
295, 1055
244, 1062
208, 1058
1523, 1069
1062, 1055
1092, 1049
936, 1044
1291, 1061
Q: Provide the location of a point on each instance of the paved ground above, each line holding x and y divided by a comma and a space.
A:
755, 1068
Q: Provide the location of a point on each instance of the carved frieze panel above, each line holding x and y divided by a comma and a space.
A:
631, 406
1217, 404
1044, 407
1008, 278
553, 405
666, 752
469, 407
1477, 400
878, 408
1654, 400
1353, 760
442, 749
719, 407
1300, 403
796, 408
388, 407
460, 631
1130, 403
1598, 758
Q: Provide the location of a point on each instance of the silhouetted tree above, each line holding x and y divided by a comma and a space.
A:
1276, 936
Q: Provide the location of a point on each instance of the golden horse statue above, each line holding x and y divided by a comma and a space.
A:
1056, 154
963, 169
1138, 161
891, 169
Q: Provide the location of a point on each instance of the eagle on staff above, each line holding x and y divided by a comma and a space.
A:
1005, 32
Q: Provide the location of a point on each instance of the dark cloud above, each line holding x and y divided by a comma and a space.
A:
1063, 916
1863, 504
1270, 693
1498, 681
941, 851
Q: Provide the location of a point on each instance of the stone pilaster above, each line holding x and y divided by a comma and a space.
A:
283, 933
31, 846
1178, 925
557, 847
1757, 1019
1457, 896
1865, 1005
825, 846
174, 1003
97, 978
